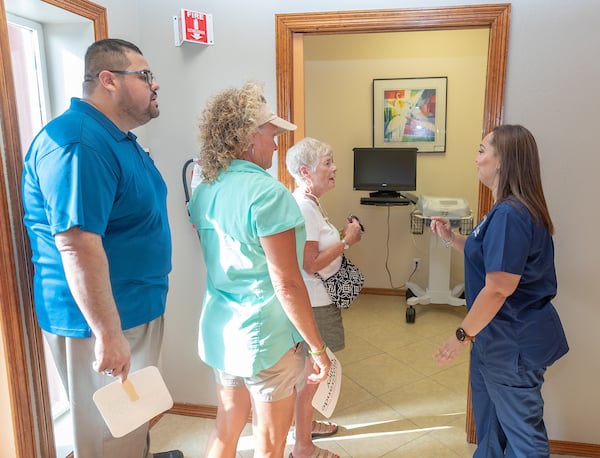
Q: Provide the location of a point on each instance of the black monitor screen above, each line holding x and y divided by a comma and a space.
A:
385, 169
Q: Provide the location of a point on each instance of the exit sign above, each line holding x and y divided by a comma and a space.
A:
193, 27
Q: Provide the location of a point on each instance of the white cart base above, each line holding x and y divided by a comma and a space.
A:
450, 297
439, 291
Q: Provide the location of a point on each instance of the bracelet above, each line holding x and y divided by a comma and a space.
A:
448, 243
318, 352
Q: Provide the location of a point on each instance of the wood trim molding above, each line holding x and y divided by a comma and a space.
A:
88, 10
26, 368
496, 17
384, 291
575, 448
193, 410
24, 413
196, 410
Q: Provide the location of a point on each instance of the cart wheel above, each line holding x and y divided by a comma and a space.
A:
410, 314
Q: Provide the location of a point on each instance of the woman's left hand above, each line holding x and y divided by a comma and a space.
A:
449, 351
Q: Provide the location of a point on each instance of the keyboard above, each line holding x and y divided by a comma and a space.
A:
384, 200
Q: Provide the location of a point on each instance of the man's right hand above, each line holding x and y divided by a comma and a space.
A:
113, 356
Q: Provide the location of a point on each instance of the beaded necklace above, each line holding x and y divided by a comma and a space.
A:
315, 199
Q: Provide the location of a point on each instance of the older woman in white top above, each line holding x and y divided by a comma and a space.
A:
311, 164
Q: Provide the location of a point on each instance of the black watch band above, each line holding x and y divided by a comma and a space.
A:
462, 335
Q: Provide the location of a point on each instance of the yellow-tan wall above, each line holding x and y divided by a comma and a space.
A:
339, 71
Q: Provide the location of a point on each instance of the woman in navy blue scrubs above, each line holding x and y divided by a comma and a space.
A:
510, 281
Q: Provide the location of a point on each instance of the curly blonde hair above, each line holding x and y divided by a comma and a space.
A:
226, 127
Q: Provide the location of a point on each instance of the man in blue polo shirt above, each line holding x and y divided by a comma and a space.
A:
95, 212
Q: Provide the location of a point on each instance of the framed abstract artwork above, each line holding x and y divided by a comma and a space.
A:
410, 112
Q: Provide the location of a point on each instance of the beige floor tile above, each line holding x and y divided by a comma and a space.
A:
433, 320
187, 434
391, 335
395, 401
419, 356
455, 377
426, 403
454, 437
381, 374
425, 447
373, 429
351, 393
357, 349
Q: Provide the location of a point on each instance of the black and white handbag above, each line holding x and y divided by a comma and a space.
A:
344, 285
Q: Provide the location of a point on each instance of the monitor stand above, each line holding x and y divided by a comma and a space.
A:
389, 194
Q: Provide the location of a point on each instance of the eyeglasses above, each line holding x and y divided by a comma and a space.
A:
147, 74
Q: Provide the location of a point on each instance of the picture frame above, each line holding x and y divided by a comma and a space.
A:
410, 113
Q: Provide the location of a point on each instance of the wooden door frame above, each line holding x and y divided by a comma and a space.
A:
291, 27
26, 368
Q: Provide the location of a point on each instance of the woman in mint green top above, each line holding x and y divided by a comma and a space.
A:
241, 309
256, 309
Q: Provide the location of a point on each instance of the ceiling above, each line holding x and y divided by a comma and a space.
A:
39, 11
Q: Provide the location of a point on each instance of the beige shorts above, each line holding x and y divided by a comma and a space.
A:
272, 384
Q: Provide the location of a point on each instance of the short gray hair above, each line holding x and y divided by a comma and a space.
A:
307, 152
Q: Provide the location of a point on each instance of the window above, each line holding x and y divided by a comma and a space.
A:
26, 44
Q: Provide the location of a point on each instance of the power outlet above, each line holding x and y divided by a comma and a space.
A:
415, 263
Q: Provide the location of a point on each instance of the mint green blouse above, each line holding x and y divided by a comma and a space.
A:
243, 328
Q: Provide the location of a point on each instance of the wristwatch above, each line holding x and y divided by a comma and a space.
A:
462, 335
346, 246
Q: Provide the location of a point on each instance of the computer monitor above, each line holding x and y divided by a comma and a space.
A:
385, 171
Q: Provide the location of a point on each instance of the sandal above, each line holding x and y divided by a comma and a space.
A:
319, 453
323, 429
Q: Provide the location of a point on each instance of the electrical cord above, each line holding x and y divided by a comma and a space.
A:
413, 272
387, 256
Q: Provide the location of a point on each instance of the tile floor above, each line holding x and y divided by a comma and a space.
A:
394, 402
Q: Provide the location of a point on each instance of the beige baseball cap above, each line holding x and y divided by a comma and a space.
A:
266, 115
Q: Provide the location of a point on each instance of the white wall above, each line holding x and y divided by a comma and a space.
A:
552, 88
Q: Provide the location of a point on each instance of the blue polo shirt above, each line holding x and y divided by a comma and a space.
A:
527, 328
83, 171
243, 327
